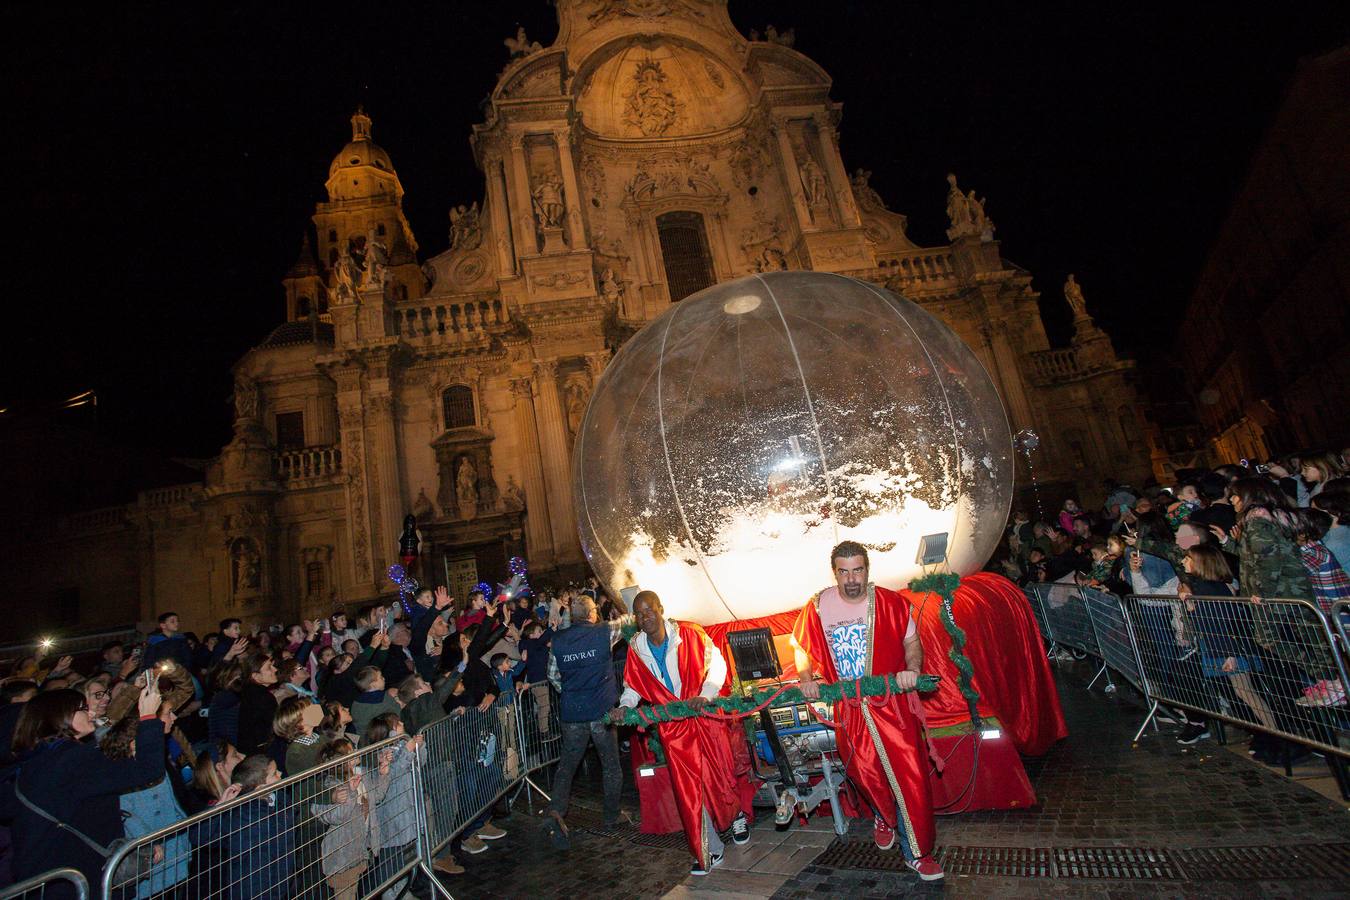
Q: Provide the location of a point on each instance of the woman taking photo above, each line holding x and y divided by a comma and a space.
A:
62, 779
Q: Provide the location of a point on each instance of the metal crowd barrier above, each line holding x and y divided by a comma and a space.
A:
352, 824
1069, 624
1224, 658
1247, 663
65, 883
371, 821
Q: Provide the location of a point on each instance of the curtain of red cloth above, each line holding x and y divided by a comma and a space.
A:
1004, 647
1002, 643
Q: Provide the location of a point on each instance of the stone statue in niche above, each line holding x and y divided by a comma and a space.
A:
1073, 292
520, 45
513, 497
610, 288
651, 107
246, 565
466, 231
377, 261
344, 280
575, 394
813, 182
548, 203
466, 488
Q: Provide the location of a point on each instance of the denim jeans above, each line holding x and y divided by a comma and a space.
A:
575, 738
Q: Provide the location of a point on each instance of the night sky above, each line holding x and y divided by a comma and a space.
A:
164, 161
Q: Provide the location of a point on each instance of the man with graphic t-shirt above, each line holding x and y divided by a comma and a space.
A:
856, 629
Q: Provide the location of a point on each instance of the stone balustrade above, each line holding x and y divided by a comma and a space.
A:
170, 496
448, 321
919, 268
1049, 366
308, 462
109, 518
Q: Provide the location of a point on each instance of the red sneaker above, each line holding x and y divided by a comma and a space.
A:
882, 834
926, 868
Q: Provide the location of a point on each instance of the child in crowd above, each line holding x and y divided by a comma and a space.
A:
256, 838
398, 810
352, 817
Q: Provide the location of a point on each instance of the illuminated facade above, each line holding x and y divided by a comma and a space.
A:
652, 150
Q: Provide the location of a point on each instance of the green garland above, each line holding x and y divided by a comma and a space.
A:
944, 584
871, 685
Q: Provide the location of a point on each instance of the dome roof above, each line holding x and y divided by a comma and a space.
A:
361, 150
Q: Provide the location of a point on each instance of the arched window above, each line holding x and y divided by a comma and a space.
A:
684, 250
302, 307
379, 229
457, 407
332, 235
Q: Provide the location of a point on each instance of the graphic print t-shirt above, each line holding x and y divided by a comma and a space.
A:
845, 626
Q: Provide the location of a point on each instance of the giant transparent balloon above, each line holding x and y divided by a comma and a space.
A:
751, 427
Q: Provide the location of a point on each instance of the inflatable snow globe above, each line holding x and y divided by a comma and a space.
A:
739, 436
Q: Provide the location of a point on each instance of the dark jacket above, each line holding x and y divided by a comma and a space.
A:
429, 708
9, 718
159, 648
586, 667
397, 666
342, 686
257, 707
222, 718
256, 844
79, 786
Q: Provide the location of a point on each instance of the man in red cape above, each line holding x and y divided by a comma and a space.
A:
856, 629
669, 661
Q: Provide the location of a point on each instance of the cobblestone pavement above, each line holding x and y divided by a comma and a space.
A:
1113, 820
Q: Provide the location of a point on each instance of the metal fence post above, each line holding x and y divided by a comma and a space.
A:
35, 888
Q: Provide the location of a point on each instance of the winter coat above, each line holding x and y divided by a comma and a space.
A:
353, 826
255, 843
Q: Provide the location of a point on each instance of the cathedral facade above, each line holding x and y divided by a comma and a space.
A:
651, 151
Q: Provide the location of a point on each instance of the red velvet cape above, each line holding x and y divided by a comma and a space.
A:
893, 738
698, 751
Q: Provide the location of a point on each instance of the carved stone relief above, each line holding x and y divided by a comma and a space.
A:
651, 107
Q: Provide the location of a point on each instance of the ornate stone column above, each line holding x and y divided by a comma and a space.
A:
522, 204
351, 421
793, 181
538, 532
576, 231
834, 170
557, 455
501, 216
386, 484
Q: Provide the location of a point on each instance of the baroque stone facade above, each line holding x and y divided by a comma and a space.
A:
650, 151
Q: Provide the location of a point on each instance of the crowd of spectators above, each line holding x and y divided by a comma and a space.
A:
1280, 529
152, 732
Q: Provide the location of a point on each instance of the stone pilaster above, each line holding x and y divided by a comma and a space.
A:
386, 489
518, 179
351, 422
538, 531
835, 172
576, 231
792, 180
557, 454
501, 216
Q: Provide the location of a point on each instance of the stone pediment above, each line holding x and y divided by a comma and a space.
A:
773, 65
539, 75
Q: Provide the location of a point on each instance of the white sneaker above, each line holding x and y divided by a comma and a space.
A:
714, 860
